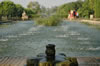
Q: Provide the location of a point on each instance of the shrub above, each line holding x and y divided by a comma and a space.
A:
49, 21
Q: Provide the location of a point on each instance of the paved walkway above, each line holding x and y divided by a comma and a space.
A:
21, 61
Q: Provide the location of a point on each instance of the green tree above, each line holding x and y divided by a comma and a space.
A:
86, 10
1, 10
30, 12
63, 10
34, 6
7, 8
43, 9
19, 10
97, 9
92, 4
10, 9
90, 7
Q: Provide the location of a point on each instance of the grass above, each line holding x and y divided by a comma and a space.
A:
3, 26
49, 21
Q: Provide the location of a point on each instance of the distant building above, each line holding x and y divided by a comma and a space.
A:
24, 16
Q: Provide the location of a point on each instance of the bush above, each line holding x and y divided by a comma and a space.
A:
49, 21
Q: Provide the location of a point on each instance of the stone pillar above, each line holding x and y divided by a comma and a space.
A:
91, 16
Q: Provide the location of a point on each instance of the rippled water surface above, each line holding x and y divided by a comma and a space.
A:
23, 38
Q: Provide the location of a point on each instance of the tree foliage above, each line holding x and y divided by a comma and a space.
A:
19, 10
90, 7
64, 9
7, 8
86, 10
10, 9
34, 6
97, 9
84, 7
30, 12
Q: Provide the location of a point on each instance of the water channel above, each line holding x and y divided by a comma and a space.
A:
24, 38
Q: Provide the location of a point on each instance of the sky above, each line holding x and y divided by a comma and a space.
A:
46, 3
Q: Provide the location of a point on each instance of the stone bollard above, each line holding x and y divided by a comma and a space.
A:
51, 59
50, 52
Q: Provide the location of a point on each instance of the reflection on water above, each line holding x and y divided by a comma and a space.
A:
27, 39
